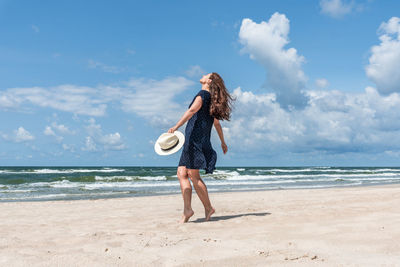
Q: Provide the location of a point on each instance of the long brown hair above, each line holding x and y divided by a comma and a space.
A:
221, 100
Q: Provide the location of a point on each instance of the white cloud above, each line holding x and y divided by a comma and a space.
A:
148, 98
113, 141
61, 128
89, 145
336, 8
96, 137
76, 99
384, 63
7, 101
104, 67
265, 43
68, 148
195, 71
154, 100
49, 132
321, 83
334, 122
20, 135
57, 130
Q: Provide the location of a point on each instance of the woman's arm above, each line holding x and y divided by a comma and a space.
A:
188, 114
218, 127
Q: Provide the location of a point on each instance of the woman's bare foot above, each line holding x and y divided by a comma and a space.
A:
209, 213
186, 215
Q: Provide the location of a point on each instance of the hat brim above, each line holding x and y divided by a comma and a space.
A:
181, 141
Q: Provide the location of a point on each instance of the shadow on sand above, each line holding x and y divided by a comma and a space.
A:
227, 217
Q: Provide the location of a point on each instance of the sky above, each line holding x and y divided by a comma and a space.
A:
95, 83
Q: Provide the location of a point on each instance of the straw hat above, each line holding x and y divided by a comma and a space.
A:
169, 143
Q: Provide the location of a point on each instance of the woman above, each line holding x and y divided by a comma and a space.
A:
211, 104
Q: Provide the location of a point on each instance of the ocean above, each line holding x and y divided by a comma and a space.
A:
69, 183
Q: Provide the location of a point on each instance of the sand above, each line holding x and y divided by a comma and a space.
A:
353, 226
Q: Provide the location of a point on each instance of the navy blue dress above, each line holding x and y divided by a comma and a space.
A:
197, 152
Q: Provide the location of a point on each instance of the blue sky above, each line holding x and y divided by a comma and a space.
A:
96, 82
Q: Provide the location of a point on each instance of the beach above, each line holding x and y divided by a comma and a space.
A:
347, 226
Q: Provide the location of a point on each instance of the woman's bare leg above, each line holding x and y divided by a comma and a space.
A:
186, 189
201, 190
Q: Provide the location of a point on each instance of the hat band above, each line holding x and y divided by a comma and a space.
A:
170, 147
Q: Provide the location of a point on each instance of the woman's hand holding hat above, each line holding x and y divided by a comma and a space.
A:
172, 130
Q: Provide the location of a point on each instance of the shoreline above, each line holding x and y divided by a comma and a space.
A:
330, 227
209, 192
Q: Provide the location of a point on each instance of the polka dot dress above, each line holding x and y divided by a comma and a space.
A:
197, 152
